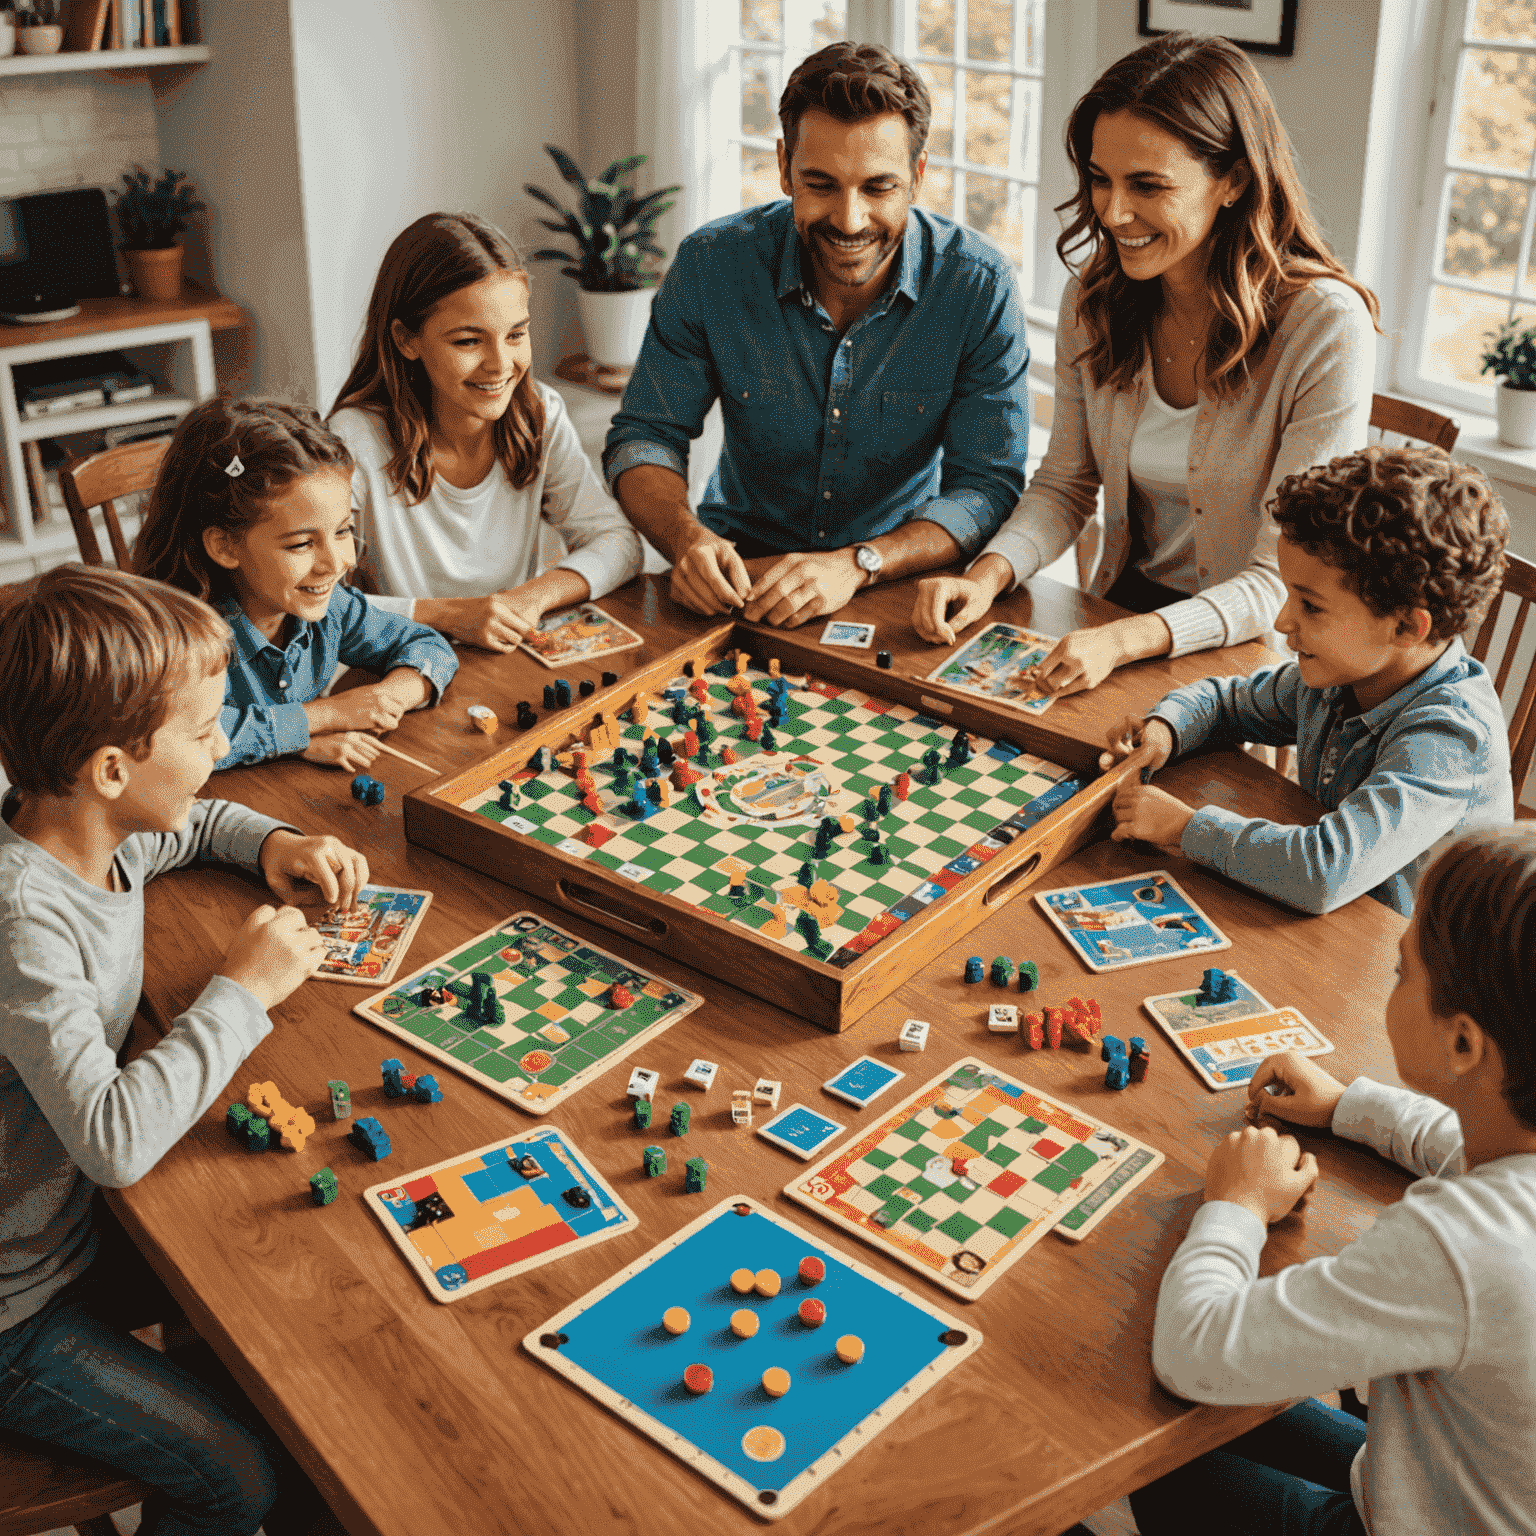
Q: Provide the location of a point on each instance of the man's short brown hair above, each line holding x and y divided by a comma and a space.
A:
852, 82
1407, 527
91, 658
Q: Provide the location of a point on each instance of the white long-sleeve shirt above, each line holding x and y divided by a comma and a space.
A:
1435, 1306
466, 543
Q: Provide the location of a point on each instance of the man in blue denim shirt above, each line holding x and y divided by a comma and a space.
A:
870, 359
1387, 556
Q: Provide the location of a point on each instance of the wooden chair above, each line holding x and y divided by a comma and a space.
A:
43, 1489
98, 480
1403, 418
1518, 594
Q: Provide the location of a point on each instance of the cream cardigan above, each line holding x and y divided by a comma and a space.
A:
1307, 401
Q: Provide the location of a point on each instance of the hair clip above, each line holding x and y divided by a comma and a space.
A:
234, 469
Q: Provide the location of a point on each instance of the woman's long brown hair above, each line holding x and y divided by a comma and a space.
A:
1266, 247
430, 259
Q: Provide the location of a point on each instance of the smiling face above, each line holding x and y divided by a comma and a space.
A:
852, 184
475, 346
290, 561
162, 786
1155, 198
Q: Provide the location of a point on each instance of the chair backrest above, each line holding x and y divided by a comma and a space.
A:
99, 480
1402, 418
1516, 665
42, 1489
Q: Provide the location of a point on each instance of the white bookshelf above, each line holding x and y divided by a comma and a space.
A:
103, 59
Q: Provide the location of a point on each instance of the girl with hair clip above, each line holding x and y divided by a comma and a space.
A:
462, 457
1210, 345
252, 513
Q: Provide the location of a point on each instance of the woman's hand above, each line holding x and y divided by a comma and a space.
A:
1305, 1094
1083, 659
495, 622
352, 750
975, 592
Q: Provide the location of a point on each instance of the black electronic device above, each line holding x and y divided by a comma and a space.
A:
55, 249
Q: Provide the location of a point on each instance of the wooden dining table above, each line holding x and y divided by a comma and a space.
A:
417, 1417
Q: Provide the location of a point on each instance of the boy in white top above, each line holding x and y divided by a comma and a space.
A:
1434, 1305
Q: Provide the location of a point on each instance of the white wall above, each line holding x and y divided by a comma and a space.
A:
405, 109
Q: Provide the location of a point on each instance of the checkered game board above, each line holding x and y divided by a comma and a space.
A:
972, 1170
559, 1028
936, 837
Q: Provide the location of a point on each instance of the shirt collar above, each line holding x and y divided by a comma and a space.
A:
249, 641
1376, 720
907, 272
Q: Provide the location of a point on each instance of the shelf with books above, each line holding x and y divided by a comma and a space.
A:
104, 58
97, 418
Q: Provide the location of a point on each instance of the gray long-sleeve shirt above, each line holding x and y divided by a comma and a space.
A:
71, 969
1434, 1306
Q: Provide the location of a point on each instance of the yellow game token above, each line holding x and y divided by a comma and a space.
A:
676, 1320
850, 1349
775, 1381
766, 1282
742, 1281
763, 1443
744, 1323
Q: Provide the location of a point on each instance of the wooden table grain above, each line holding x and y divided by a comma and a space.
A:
418, 1417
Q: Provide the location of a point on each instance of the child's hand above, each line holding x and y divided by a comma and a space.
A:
1149, 740
1260, 1170
352, 750
1148, 815
296, 866
1307, 1095
931, 617
273, 954
374, 708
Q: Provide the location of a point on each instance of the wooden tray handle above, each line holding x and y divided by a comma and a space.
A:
599, 901
1011, 883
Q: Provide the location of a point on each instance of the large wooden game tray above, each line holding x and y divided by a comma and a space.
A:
1027, 799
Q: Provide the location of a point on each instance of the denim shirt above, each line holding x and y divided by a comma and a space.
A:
921, 410
267, 688
1431, 760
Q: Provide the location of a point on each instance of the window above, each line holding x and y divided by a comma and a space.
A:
1481, 191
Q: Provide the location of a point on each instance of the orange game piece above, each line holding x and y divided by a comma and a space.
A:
850, 1349
812, 1270
754, 728
766, 1282
1053, 1028
1034, 1023
619, 996
744, 1323
676, 1320
903, 785
594, 835
728, 756
775, 1381
698, 1379
742, 1281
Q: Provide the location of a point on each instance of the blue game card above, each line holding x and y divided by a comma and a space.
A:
1134, 921
800, 1130
861, 1082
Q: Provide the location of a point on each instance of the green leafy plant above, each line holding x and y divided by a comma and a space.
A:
1511, 355
42, 13
614, 229
151, 214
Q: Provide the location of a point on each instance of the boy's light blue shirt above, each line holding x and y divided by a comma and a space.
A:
1432, 759
267, 688
920, 411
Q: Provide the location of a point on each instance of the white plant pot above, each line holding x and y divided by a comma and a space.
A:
42, 39
7, 34
1516, 409
614, 325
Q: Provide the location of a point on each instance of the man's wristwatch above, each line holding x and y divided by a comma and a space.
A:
869, 561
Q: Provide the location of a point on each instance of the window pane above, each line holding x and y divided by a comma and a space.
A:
993, 207
759, 95
1029, 46
1505, 20
1453, 334
1482, 237
762, 21
987, 100
1496, 109
940, 80
989, 31
938, 191
759, 177
936, 27
831, 26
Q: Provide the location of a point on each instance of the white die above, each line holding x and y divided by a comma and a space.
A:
701, 1074
642, 1084
1003, 1019
767, 1092
913, 1036
741, 1106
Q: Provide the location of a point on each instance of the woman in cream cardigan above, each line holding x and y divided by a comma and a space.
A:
1210, 346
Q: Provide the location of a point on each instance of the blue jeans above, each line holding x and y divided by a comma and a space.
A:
72, 1376
1289, 1477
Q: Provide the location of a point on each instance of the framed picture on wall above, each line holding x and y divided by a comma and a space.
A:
1260, 26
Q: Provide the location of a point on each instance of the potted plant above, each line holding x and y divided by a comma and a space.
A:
1511, 357
41, 31
7, 29
150, 215
613, 264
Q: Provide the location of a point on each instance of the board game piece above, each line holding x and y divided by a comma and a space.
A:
258, 1134
929, 773
544, 1027
681, 1115
525, 716
799, 1129
341, 1099
578, 634
483, 718
810, 930
812, 1271
1117, 1073
1030, 1160
741, 1106
1141, 1059
528, 1166
1053, 1028
695, 1175
698, 1379
322, 1187
579, 1199
767, 1453
973, 969
390, 1069
1029, 976
775, 1381
1225, 1042
1000, 665
1120, 923
370, 1138
861, 1082
811, 1312
1034, 1028
676, 1320
959, 751
427, 1090
642, 1114
766, 1282
586, 688
289, 1125
1216, 987
654, 1161
1003, 1019
742, 1281
850, 1349
368, 791
883, 659
913, 1036
1002, 971
744, 1323
1083, 1018
766, 1091
549, 695
236, 1118
701, 1074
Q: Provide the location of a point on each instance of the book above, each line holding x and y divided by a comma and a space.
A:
87, 25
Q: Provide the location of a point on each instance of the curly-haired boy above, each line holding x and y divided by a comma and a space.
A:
1388, 556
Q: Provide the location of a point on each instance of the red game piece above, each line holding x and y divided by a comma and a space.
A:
903, 785
700, 690
813, 1313
594, 835
812, 1270
619, 996
1034, 1023
958, 1165
593, 804
698, 1379
690, 744
728, 755
1053, 1028
683, 775
1088, 1017
755, 728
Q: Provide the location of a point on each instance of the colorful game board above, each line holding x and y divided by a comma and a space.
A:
1129, 922
1025, 1162
367, 944
999, 664
487, 1215
1225, 1042
578, 634
754, 822
558, 1027
767, 1452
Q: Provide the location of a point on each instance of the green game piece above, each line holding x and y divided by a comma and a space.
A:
643, 1114
236, 1118
1002, 971
322, 1187
810, 930
1029, 976
808, 874
697, 1171
681, 1115
654, 1161
341, 1099
257, 1134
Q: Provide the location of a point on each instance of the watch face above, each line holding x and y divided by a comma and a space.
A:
868, 558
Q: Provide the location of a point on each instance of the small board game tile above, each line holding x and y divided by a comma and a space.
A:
1032, 1125
920, 1219
911, 1131
1008, 1222
1077, 1160
498, 1067
988, 1242
982, 1205
921, 1187
883, 1186
960, 1227
917, 1155
467, 1051
1053, 1178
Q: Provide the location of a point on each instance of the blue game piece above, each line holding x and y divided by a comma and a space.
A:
973, 969
370, 1138
1111, 1048
1216, 987
1117, 1074
392, 1068
562, 693
641, 805
549, 696
367, 791
375, 794
426, 1090
650, 763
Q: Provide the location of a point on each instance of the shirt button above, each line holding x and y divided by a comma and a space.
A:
1204, 572
283, 683
826, 495
1197, 511
744, 394
822, 534
835, 411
